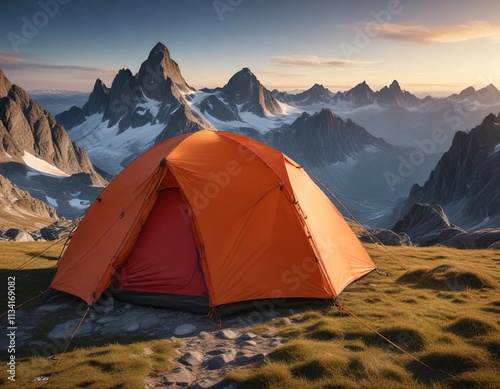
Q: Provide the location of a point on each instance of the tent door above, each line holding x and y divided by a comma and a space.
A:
165, 257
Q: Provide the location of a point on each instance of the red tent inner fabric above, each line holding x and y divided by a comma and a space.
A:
164, 258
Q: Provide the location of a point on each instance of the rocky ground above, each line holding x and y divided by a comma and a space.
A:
209, 349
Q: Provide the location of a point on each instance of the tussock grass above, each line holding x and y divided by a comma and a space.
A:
444, 314
444, 277
469, 327
448, 363
110, 366
438, 308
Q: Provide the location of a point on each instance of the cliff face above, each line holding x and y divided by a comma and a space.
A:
25, 127
467, 174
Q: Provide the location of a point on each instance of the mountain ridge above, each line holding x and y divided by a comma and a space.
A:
38, 156
465, 180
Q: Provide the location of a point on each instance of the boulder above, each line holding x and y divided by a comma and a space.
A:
18, 235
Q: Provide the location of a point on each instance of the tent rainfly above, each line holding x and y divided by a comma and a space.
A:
211, 220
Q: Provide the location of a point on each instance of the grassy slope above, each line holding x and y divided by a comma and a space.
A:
443, 308
30, 222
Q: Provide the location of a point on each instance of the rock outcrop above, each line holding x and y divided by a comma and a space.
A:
428, 225
386, 237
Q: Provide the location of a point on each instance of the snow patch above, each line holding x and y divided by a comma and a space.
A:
52, 201
497, 148
106, 147
150, 105
248, 119
79, 204
42, 166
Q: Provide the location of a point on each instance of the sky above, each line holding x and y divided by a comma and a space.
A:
429, 46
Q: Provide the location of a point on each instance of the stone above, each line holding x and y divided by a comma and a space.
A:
36, 343
105, 320
245, 359
132, 327
184, 329
219, 361
179, 376
227, 334
230, 385
258, 357
50, 308
18, 235
247, 336
203, 384
216, 352
193, 358
67, 329
250, 343
106, 305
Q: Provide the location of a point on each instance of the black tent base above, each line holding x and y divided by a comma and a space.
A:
194, 304
269, 308
200, 304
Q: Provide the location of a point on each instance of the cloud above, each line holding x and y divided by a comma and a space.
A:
442, 34
23, 61
314, 61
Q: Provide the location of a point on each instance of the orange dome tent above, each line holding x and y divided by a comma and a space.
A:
211, 219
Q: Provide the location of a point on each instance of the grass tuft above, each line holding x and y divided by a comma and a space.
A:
447, 363
468, 327
407, 338
318, 368
294, 351
444, 277
323, 329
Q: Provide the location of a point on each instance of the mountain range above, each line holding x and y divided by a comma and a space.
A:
370, 167
118, 123
398, 116
56, 101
